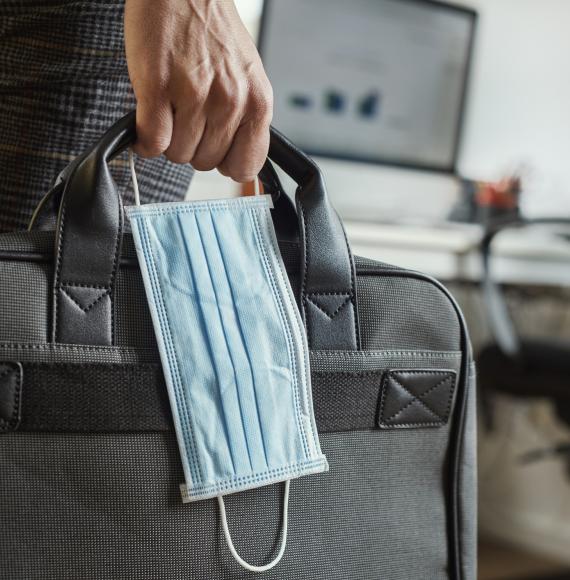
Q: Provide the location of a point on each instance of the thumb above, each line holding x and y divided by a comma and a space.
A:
154, 127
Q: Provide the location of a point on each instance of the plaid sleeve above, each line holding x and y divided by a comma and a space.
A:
63, 81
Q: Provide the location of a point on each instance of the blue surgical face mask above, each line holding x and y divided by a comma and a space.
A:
232, 345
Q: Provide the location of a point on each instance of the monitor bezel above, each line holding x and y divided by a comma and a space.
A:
387, 161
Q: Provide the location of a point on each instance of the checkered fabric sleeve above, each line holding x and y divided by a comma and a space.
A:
63, 81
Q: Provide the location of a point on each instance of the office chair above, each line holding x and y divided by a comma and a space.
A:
511, 364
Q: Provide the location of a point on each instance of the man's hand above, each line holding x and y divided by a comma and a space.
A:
202, 94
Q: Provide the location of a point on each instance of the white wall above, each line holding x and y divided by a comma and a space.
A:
519, 99
518, 113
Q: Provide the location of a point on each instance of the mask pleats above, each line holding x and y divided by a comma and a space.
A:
218, 354
234, 336
262, 329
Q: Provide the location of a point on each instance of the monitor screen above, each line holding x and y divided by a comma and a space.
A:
369, 80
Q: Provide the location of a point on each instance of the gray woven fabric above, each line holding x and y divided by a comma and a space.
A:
63, 82
107, 507
371, 360
133, 321
28, 242
412, 314
24, 302
101, 506
405, 313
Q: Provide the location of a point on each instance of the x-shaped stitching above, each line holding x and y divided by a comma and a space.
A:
417, 398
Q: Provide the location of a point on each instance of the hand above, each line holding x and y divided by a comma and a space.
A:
202, 94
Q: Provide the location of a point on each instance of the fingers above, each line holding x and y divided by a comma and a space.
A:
248, 151
189, 127
221, 129
204, 129
202, 94
154, 127
221, 126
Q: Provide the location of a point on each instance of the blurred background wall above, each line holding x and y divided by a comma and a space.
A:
517, 108
516, 116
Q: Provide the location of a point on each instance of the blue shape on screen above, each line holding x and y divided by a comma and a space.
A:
335, 102
299, 101
369, 106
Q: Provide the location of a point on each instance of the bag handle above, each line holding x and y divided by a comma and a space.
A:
89, 235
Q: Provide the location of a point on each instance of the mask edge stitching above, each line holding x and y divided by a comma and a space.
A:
286, 326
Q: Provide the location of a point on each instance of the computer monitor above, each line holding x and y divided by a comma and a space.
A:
370, 80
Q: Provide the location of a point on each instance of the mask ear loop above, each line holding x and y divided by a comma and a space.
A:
233, 551
134, 177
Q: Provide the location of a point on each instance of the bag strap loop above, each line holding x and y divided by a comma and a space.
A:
89, 235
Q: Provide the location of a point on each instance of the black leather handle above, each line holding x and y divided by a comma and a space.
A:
328, 281
90, 230
89, 235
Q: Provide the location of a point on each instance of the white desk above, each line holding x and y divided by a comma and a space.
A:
451, 251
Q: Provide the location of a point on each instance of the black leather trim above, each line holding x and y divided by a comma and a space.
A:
284, 215
88, 242
416, 398
89, 234
327, 266
10, 395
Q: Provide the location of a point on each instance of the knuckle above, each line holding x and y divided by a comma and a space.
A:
234, 100
152, 141
263, 108
235, 94
203, 164
150, 149
263, 104
175, 156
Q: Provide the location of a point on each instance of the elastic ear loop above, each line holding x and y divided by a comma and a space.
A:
233, 551
134, 177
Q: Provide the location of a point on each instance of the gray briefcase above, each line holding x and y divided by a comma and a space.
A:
89, 465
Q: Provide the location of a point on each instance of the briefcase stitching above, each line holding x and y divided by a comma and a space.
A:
448, 377
13, 369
